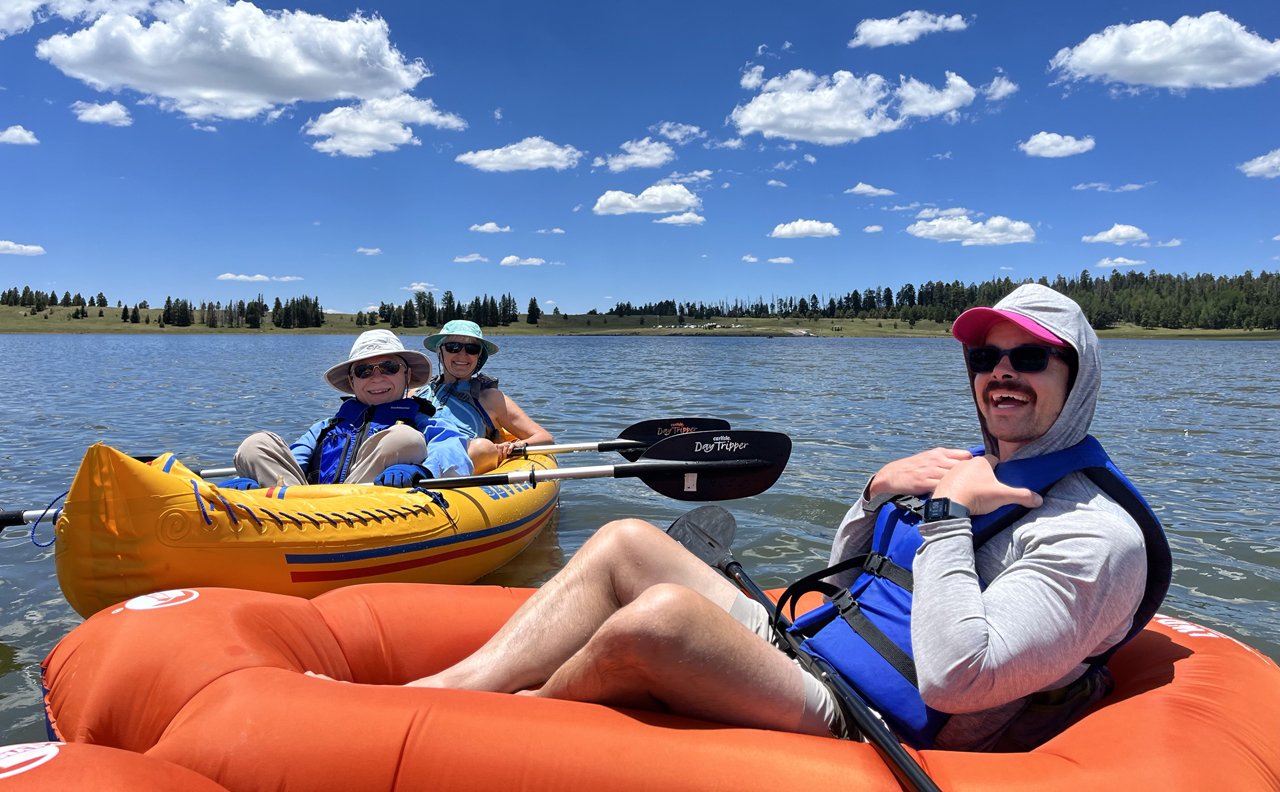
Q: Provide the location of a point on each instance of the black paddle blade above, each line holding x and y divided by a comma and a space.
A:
707, 532
659, 429
724, 464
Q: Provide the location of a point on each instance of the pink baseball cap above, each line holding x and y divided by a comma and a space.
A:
971, 327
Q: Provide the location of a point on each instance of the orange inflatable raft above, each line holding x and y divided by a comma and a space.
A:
211, 679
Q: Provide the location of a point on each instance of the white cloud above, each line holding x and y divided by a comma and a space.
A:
688, 218
925, 101
375, 125
1267, 166
782, 260
497, 114
999, 88
576, 208
1208, 51
1175, 242
784, 165
531, 153
420, 286
731, 143
946, 156
1276, 238
956, 211
8, 248
17, 16
907, 208
470, 257
873, 229
552, 231
369, 251
903, 29
112, 113
804, 228
1106, 187
750, 258
809, 158
1118, 261
1118, 234
831, 110
723, 186
862, 188
489, 228
1051, 144
658, 199
680, 133
844, 108
776, 183
211, 59
643, 153
752, 78
692, 177
205, 128
516, 261
18, 136
997, 230
227, 276
1010, 269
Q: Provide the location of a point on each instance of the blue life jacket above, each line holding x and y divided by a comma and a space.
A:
459, 402
864, 631
340, 440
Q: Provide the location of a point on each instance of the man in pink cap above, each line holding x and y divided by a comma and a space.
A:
1027, 574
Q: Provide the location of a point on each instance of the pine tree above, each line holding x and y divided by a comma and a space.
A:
124, 314
134, 316
410, 314
534, 313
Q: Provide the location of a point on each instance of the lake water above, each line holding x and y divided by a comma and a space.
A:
1196, 424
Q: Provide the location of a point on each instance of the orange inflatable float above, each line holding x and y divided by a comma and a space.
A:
33, 767
211, 679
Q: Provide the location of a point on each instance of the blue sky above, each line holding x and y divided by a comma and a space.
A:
351, 152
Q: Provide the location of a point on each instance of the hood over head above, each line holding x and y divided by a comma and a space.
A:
1046, 314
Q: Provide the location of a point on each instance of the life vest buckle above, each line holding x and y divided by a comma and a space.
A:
875, 564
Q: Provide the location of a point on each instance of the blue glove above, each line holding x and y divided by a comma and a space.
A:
240, 484
402, 476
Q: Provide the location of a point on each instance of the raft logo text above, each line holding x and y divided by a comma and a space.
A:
722, 443
161, 599
15, 759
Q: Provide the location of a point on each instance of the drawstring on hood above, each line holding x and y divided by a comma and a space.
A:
1061, 316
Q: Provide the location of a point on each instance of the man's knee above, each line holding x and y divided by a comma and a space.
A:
627, 538
655, 628
405, 443
256, 444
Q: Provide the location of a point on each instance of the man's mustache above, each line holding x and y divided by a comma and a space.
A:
1008, 386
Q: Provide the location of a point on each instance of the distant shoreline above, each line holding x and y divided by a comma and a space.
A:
59, 322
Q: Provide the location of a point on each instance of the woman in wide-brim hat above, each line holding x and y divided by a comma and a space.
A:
472, 401
380, 436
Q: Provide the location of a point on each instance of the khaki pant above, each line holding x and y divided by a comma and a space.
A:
266, 459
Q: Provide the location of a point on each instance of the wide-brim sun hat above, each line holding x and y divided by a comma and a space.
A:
376, 343
972, 326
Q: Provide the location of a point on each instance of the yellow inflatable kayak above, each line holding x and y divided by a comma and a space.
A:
131, 528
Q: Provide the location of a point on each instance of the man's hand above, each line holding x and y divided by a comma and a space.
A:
240, 484
402, 476
974, 484
916, 475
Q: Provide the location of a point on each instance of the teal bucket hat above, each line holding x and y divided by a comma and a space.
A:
462, 327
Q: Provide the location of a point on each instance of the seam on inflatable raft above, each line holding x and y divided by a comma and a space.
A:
398, 566
381, 552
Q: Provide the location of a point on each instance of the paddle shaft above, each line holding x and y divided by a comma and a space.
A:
626, 470
8, 519
897, 757
569, 448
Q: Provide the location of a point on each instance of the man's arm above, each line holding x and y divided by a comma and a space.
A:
1070, 592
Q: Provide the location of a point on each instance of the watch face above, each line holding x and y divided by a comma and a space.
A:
935, 510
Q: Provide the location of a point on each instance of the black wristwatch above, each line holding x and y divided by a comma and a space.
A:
936, 509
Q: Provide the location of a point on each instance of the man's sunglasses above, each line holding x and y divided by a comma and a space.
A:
454, 347
1025, 359
365, 370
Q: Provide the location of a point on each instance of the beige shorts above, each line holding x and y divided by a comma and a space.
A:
822, 714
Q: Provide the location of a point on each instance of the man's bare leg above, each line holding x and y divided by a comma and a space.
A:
617, 565
674, 650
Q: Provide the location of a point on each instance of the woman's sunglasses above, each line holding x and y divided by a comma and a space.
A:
365, 370
1025, 359
454, 347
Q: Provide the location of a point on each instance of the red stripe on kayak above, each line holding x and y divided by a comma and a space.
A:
386, 569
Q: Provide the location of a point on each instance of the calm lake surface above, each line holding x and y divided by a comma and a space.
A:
1195, 424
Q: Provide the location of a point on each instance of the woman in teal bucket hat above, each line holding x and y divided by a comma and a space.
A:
471, 400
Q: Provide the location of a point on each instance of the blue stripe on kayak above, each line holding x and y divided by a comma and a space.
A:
381, 552
280, 495
169, 464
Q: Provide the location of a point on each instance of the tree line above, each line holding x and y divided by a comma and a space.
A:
1148, 299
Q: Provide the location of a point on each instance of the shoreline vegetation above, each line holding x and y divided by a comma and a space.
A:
59, 321
1128, 304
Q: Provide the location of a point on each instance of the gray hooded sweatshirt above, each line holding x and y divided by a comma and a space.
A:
1064, 582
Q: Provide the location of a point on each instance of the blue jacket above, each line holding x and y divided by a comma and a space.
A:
340, 437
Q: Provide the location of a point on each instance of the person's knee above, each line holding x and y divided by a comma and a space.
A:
483, 453
405, 443
254, 445
654, 629
629, 538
